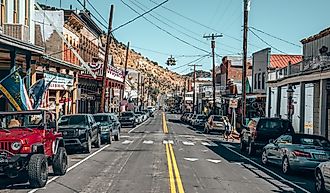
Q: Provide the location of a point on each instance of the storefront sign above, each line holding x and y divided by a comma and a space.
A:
58, 81
113, 73
233, 103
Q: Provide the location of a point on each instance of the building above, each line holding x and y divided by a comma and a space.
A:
263, 62
301, 93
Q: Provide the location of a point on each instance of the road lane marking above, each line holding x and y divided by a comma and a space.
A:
190, 159
130, 131
71, 168
268, 170
168, 142
127, 142
189, 143
165, 128
176, 170
170, 170
148, 142
216, 161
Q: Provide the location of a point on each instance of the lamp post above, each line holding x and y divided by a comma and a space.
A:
290, 92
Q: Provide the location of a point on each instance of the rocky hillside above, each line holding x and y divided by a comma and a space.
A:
199, 74
160, 78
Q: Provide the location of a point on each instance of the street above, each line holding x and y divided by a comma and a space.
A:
148, 159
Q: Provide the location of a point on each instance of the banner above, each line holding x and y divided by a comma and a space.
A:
13, 88
38, 90
58, 81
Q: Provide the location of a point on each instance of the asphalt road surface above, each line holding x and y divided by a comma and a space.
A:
161, 156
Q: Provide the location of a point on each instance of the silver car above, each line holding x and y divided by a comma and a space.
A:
297, 151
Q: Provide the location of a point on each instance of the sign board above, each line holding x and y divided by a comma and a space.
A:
113, 73
233, 103
58, 81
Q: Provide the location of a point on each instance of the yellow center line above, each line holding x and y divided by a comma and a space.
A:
176, 171
165, 129
170, 170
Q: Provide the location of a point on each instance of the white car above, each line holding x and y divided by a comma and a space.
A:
322, 177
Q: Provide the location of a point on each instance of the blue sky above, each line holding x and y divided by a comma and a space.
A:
291, 20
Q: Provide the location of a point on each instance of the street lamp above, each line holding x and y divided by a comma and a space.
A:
290, 92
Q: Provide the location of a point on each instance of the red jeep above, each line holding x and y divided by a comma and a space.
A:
29, 143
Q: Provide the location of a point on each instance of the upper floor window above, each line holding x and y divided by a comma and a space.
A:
263, 81
3, 12
15, 12
27, 11
259, 80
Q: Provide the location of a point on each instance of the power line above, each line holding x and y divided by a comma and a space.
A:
98, 13
266, 42
283, 40
169, 33
140, 15
101, 23
194, 61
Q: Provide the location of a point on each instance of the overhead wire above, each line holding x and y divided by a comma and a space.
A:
193, 61
169, 33
256, 35
97, 12
101, 23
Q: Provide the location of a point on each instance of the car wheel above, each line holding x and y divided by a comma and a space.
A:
264, 158
38, 171
98, 141
251, 149
88, 147
285, 165
110, 138
319, 181
60, 162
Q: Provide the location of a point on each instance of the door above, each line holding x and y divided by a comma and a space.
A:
280, 150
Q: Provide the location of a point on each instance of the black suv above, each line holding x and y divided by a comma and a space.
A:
80, 131
127, 118
260, 130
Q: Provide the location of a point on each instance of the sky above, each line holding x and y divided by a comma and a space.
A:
190, 20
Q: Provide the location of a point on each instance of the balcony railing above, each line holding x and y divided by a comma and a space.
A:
316, 62
18, 31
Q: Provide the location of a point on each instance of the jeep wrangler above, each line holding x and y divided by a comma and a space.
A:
29, 143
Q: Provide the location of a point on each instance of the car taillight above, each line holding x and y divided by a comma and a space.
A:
301, 154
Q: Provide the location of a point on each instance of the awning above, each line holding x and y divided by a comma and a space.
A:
63, 63
8, 41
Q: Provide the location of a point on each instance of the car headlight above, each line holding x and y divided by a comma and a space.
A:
16, 146
82, 131
104, 128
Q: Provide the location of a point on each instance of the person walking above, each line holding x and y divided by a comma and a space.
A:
227, 128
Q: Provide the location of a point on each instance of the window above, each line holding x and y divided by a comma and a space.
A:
263, 81
15, 12
3, 12
27, 11
259, 80
255, 81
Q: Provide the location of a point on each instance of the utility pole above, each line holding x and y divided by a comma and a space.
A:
194, 91
106, 61
125, 71
143, 93
184, 94
213, 36
138, 91
245, 34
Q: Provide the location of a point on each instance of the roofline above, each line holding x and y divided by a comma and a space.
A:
321, 34
261, 51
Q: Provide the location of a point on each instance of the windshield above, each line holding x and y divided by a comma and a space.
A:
217, 118
311, 140
101, 118
21, 120
127, 114
72, 120
202, 117
278, 125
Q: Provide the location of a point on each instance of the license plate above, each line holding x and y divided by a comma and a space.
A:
320, 156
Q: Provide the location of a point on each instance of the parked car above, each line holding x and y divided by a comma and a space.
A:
214, 123
151, 112
110, 126
191, 118
80, 131
142, 116
297, 152
29, 143
146, 112
199, 121
128, 118
322, 177
259, 131
183, 117
139, 117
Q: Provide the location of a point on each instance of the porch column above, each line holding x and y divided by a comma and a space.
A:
323, 108
278, 101
12, 60
33, 74
57, 102
302, 108
269, 101
28, 70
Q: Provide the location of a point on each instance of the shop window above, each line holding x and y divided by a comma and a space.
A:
3, 12
263, 81
255, 81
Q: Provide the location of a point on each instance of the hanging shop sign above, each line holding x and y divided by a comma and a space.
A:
233, 103
58, 81
113, 73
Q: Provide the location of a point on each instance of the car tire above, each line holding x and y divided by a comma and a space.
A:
88, 147
319, 181
117, 137
60, 162
38, 171
242, 146
286, 165
264, 158
98, 141
251, 149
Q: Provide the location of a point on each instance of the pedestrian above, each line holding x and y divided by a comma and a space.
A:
227, 128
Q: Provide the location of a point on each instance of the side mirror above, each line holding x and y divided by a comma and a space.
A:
271, 141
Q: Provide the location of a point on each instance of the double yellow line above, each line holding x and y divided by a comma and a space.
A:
173, 170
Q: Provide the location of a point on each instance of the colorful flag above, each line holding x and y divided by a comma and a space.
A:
37, 91
13, 88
